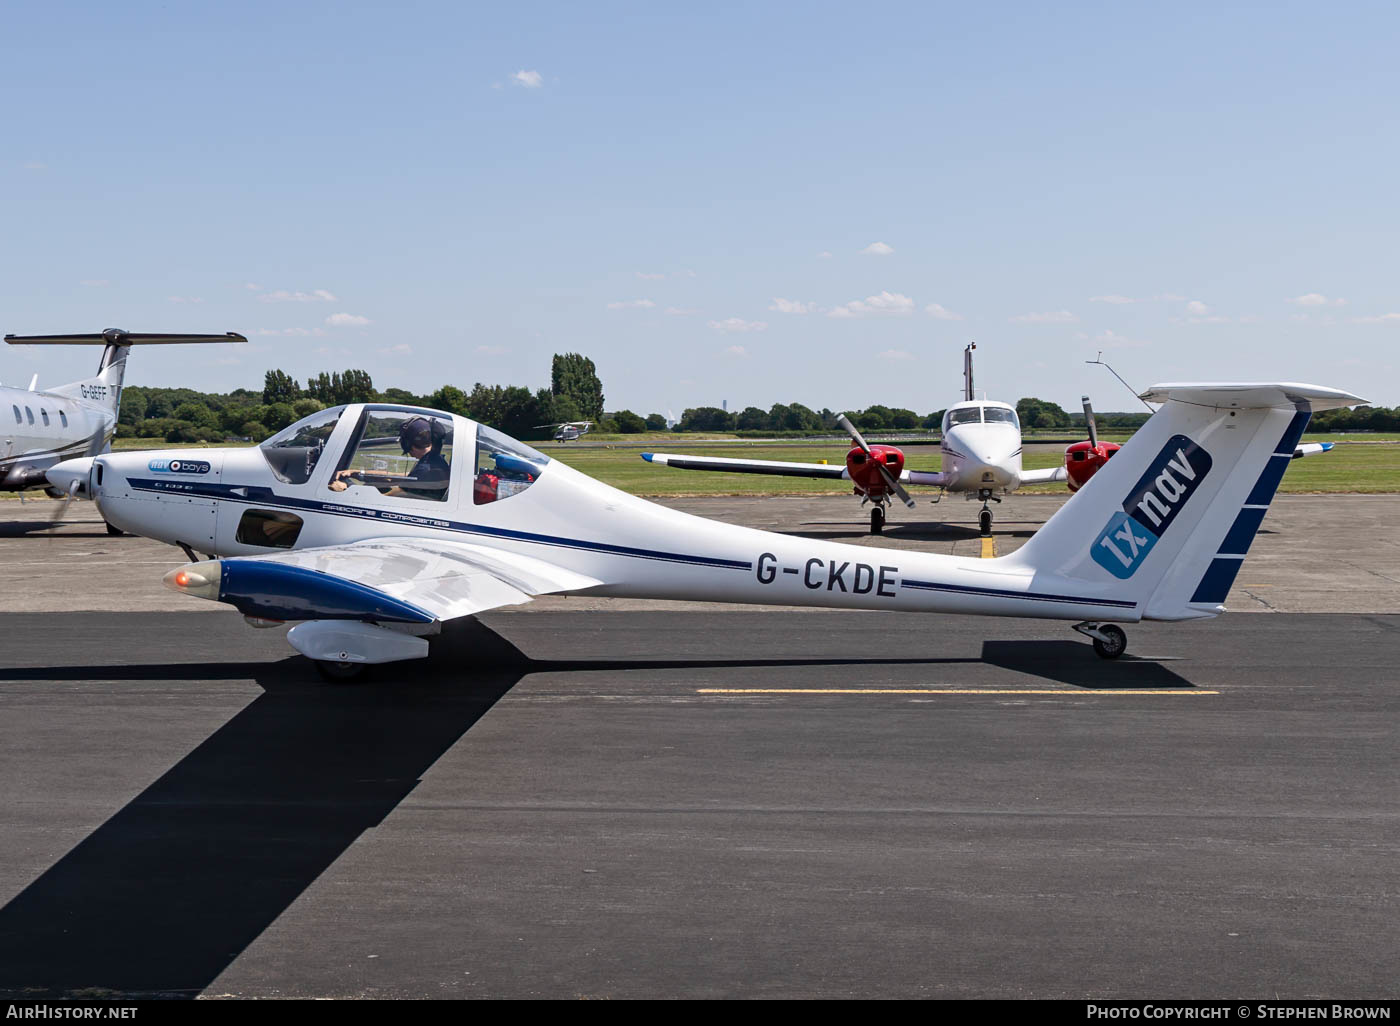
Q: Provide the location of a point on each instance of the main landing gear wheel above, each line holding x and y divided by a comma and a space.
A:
877, 519
1109, 640
984, 521
1112, 643
340, 673
115, 532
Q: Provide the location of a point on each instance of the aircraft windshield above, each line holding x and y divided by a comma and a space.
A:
292, 452
1000, 415
504, 467
966, 415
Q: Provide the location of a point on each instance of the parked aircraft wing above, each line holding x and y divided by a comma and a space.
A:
379, 579
1047, 476
835, 471
1312, 449
930, 478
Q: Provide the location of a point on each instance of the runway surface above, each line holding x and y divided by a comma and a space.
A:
628, 804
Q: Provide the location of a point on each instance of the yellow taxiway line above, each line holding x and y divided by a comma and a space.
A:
952, 691
989, 548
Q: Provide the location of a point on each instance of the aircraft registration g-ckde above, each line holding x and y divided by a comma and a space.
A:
374, 524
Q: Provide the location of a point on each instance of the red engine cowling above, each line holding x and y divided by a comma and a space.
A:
864, 469
1083, 460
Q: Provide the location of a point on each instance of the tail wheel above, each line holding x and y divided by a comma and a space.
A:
984, 521
1113, 643
341, 673
877, 520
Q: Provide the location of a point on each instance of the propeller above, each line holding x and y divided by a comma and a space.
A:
1089, 423
94, 448
891, 482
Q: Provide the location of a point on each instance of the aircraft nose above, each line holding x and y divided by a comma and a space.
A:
70, 473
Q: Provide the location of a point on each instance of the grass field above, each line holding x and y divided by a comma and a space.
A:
1350, 467
1369, 463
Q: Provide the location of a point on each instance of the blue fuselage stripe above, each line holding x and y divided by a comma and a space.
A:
257, 495
1039, 596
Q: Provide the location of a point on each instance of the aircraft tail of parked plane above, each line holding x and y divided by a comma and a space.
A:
1171, 517
104, 387
75, 419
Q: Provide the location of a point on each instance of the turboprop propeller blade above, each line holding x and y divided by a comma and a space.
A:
1089, 422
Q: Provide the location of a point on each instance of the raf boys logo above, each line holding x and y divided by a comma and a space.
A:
179, 466
1152, 505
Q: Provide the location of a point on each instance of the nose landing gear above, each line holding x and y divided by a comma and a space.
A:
877, 519
984, 518
1110, 641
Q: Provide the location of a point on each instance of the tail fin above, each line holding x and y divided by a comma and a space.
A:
1167, 521
105, 387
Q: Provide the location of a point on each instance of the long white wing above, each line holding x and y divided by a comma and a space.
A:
1046, 476
1312, 449
446, 579
776, 467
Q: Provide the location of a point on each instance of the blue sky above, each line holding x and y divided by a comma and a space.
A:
744, 202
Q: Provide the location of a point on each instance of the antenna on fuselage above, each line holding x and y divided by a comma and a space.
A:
1100, 361
967, 371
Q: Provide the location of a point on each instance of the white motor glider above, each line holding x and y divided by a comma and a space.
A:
373, 524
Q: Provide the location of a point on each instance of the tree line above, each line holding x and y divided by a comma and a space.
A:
575, 393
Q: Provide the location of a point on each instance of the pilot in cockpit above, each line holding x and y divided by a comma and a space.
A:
419, 437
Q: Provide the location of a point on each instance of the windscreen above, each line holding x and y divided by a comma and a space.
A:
966, 415
292, 453
1000, 415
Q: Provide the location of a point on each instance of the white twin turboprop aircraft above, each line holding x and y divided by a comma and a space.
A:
373, 524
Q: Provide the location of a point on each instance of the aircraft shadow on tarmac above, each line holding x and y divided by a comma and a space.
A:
165, 895
71, 528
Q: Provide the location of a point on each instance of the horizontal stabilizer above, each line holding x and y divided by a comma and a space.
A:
1253, 395
118, 337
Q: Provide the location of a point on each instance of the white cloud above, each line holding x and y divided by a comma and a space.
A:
492, 350
1048, 317
1377, 320
251, 287
940, 313
1196, 308
1316, 299
283, 296
649, 277
346, 320
290, 331
896, 354
885, 304
632, 304
402, 349
528, 79
677, 311
186, 299
824, 254
878, 249
684, 274
732, 325
790, 306
739, 351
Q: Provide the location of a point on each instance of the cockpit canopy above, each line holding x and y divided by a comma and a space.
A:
980, 414
400, 452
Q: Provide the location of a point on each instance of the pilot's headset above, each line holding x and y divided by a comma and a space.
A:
422, 432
